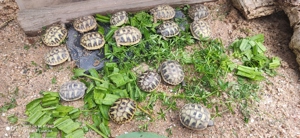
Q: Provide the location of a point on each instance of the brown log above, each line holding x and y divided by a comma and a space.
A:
256, 8
32, 20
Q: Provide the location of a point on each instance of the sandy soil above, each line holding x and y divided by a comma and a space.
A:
276, 115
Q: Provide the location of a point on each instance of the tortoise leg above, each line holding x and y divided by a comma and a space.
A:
210, 123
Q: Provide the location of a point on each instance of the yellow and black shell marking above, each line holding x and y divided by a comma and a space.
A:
127, 35
119, 18
85, 23
195, 117
200, 28
72, 90
122, 111
54, 35
92, 41
162, 12
168, 29
171, 72
57, 56
198, 11
148, 81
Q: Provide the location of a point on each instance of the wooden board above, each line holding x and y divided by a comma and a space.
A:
32, 4
32, 20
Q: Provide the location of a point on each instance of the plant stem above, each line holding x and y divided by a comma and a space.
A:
96, 130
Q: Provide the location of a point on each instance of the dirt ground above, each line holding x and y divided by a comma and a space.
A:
277, 115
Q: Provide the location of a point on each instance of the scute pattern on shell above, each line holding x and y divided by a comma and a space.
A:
122, 111
162, 12
119, 18
198, 11
168, 29
57, 56
194, 116
85, 24
127, 35
171, 72
92, 41
72, 90
199, 28
148, 81
54, 35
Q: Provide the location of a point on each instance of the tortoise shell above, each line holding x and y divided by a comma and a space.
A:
168, 29
162, 12
54, 35
119, 18
198, 11
171, 72
200, 28
148, 81
127, 35
92, 41
72, 90
122, 111
85, 24
195, 117
57, 56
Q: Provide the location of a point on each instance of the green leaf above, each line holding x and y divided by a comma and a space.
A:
43, 120
109, 99
105, 129
52, 134
258, 38
76, 134
249, 72
96, 130
62, 111
101, 30
78, 72
35, 135
35, 117
244, 45
12, 119
33, 104
99, 95
102, 18
49, 93
104, 111
117, 79
261, 47
275, 63
67, 126
141, 135
95, 74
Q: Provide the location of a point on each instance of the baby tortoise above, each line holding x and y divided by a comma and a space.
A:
200, 28
72, 90
162, 12
122, 111
119, 18
127, 35
195, 117
148, 81
57, 56
171, 72
92, 41
85, 24
168, 29
198, 11
54, 35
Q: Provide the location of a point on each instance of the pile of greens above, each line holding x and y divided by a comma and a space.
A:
206, 64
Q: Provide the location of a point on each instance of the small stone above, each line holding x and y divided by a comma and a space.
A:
7, 128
